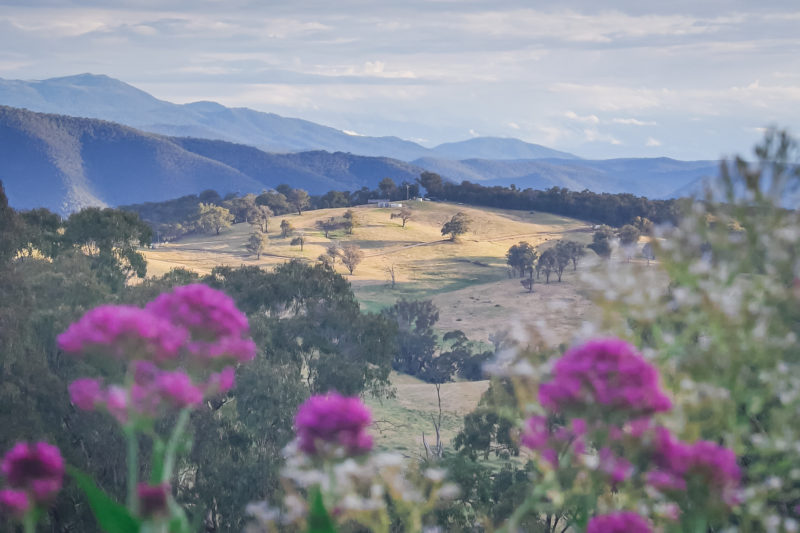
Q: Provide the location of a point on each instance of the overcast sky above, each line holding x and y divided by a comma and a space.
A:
686, 79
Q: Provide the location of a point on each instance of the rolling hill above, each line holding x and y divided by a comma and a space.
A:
65, 163
102, 97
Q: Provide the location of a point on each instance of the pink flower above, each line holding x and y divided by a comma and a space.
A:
617, 468
221, 382
536, 434
153, 499
219, 331
333, 420
207, 313
86, 393
34, 467
620, 522
124, 332
177, 388
608, 372
117, 403
14, 503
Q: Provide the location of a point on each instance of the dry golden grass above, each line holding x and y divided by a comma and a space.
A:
468, 280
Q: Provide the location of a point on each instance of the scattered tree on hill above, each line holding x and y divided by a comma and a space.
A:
333, 251
628, 237
648, 253
328, 225
286, 228
433, 184
405, 215
260, 217
242, 208
213, 218
351, 256
300, 240
563, 256
299, 199
391, 271
574, 251
275, 200
458, 225
547, 263
257, 243
521, 258
527, 283
601, 242
350, 221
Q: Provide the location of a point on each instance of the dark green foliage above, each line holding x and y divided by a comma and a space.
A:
298, 199
286, 228
601, 242
276, 201
305, 320
433, 184
416, 341
110, 237
547, 263
457, 225
521, 258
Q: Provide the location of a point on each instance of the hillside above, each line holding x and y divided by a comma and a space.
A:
469, 277
102, 97
65, 163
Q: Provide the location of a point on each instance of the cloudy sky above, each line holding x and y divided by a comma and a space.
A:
686, 79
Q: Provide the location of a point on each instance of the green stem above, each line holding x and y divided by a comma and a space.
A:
29, 522
172, 445
133, 468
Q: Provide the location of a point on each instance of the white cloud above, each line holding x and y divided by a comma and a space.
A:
652, 142
353, 133
588, 119
513, 125
592, 135
473, 133
633, 122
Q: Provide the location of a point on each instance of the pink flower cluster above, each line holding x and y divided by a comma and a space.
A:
608, 372
192, 331
34, 474
621, 522
611, 374
677, 461
324, 423
153, 499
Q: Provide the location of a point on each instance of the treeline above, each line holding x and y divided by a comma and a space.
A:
602, 208
172, 218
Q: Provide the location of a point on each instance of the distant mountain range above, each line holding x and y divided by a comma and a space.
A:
66, 163
101, 97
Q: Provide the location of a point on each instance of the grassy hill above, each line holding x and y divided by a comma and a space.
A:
467, 280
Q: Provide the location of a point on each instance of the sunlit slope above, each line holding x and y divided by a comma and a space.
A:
423, 260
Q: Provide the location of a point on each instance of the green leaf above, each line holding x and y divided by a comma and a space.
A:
319, 521
110, 515
157, 460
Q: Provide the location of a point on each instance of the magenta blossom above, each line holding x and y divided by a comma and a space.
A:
207, 313
177, 388
536, 434
605, 372
125, 332
617, 468
14, 503
36, 468
333, 420
676, 461
620, 522
86, 393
